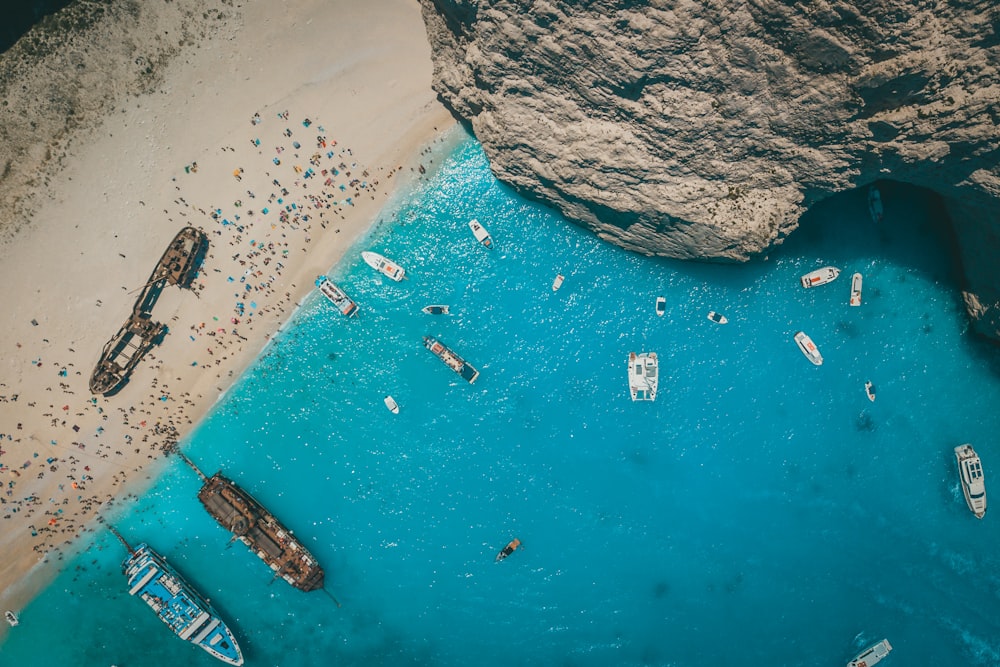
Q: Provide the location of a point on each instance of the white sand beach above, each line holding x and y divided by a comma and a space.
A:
310, 110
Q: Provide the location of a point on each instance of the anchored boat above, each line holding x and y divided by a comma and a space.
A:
383, 265
509, 549
970, 472
871, 655
856, 281
253, 525
435, 309
643, 375
557, 283
718, 318
661, 306
820, 276
11, 618
808, 348
452, 360
337, 296
391, 404
186, 612
481, 234
870, 391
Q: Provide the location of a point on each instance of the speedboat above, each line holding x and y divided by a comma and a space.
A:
391, 403
337, 296
481, 234
871, 655
661, 305
383, 265
870, 391
808, 348
970, 471
557, 283
820, 276
718, 318
856, 289
643, 375
509, 549
11, 618
436, 309
875, 208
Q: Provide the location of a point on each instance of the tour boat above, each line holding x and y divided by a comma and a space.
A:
383, 265
970, 471
436, 309
870, 391
856, 281
661, 305
643, 375
875, 204
452, 360
808, 348
481, 234
820, 276
718, 318
11, 618
509, 549
390, 403
871, 655
337, 296
557, 283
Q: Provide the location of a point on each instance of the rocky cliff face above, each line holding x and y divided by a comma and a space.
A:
705, 129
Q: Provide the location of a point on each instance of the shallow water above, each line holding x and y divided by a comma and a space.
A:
762, 510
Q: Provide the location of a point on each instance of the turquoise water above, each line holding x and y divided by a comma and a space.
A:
761, 511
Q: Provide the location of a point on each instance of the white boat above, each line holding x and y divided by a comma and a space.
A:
820, 276
391, 403
875, 208
808, 348
11, 618
970, 471
435, 309
871, 655
718, 318
661, 305
337, 296
557, 283
870, 391
856, 281
383, 265
643, 375
481, 234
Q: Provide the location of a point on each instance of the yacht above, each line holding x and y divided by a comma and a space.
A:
643, 375
808, 348
820, 276
383, 265
970, 472
481, 234
871, 655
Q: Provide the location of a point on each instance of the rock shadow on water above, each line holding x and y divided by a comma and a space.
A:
661, 589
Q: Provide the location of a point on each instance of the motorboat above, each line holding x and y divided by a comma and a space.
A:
875, 208
870, 391
391, 403
820, 276
509, 549
435, 309
643, 375
383, 265
557, 283
871, 655
856, 281
970, 472
11, 618
481, 234
718, 318
808, 348
661, 306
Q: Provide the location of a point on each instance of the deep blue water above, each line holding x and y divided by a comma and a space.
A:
761, 511
20, 15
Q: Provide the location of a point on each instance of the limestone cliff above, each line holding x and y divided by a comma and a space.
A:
705, 129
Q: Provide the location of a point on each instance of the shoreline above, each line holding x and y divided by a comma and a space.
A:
67, 456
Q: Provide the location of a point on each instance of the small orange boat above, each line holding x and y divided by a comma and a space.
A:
509, 549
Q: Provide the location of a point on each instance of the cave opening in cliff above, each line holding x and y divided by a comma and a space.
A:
914, 235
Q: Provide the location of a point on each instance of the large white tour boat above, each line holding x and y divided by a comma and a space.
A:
643, 375
383, 265
871, 655
337, 296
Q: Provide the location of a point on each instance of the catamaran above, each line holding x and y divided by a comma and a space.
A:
808, 348
820, 276
383, 265
970, 472
856, 281
337, 296
481, 234
643, 375
871, 655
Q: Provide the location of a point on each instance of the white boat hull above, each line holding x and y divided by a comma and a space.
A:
661, 306
871, 655
809, 348
557, 283
718, 318
856, 283
391, 404
970, 474
383, 265
643, 375
819, 277
481, 234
